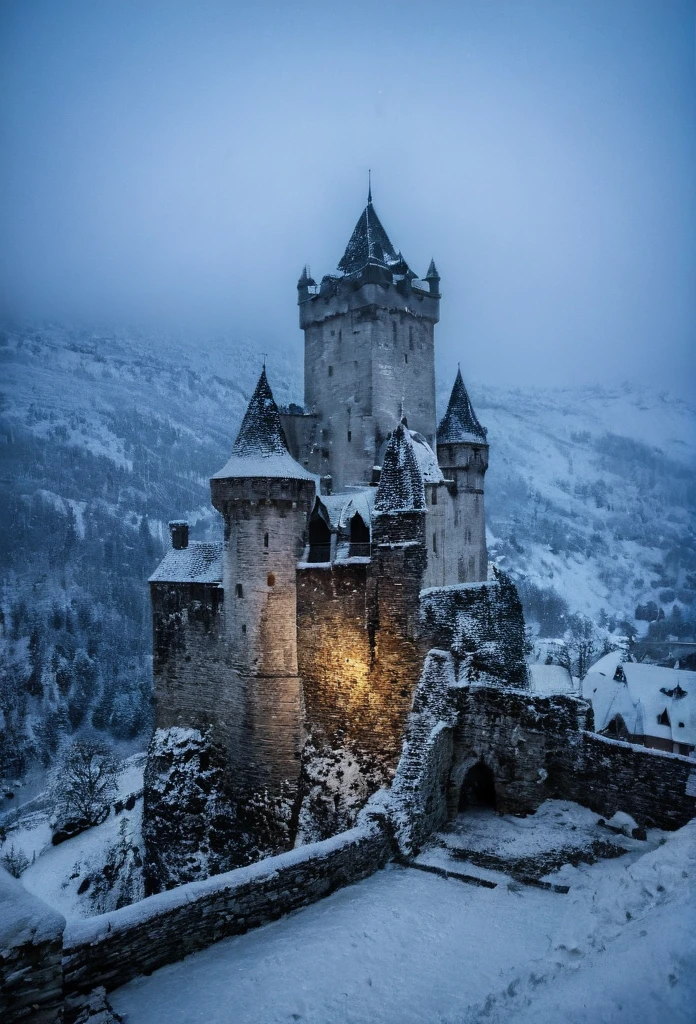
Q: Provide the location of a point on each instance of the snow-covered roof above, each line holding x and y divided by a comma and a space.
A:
200, 562
401, 482
261, 449
340, 508
460, 423
427, 460
550, 679
370, 243
649, 690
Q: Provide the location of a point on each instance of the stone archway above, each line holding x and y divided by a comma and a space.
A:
477, 789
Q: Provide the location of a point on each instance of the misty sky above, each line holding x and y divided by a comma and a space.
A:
175, 164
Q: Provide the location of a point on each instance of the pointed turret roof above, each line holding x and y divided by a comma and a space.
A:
369, 243
261, 449
401, 483
432, 274
460, 422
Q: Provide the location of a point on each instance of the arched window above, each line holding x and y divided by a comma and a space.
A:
319, 540
359, 537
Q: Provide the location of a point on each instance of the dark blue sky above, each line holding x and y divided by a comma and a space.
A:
176, 164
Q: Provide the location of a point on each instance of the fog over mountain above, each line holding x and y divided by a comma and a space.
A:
175, 165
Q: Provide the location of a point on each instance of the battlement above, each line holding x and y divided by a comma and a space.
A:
363, 294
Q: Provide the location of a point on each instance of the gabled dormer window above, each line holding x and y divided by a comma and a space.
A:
663, 719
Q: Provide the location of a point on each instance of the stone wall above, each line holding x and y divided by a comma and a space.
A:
360, 658
536, 747
31, 944
189, 660
482, 624
610, 775
113, 949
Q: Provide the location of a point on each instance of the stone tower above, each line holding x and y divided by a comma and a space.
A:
462, 454
369, 354
264, 497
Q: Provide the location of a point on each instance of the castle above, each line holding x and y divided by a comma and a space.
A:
344, 649
300, 629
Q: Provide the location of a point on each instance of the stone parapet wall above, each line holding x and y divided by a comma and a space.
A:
610, 775
114, 948
31, 944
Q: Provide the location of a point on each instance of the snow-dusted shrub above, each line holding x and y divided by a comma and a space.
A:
14, 861
85, 783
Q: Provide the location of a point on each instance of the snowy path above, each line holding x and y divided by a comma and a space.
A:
404, 947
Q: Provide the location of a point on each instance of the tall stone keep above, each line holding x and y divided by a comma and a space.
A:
264, 497
369, 354
462, 454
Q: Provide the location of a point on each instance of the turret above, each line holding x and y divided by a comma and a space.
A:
304, 284
462, 454
433, 279
264, 497
399, 511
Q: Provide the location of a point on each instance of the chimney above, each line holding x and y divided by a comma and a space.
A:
179, 528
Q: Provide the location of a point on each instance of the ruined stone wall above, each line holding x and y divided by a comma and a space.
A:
114, 948
482, 624
366, 349
537, 748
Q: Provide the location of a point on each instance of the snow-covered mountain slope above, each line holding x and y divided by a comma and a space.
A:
105, 436
591, 495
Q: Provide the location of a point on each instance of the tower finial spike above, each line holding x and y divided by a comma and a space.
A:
369, 185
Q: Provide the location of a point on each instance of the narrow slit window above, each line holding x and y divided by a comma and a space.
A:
331, 371
271, 579
350, 435
265, 540
433, 500
239, 590
435, 543
244, 627
405, 357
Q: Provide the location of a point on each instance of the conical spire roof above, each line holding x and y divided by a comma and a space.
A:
401, 482
432, 274
460, 422
369, 243
261, 449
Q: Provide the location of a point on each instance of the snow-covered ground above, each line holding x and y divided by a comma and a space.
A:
405, 947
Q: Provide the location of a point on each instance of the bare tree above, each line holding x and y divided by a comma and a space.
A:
85, 781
